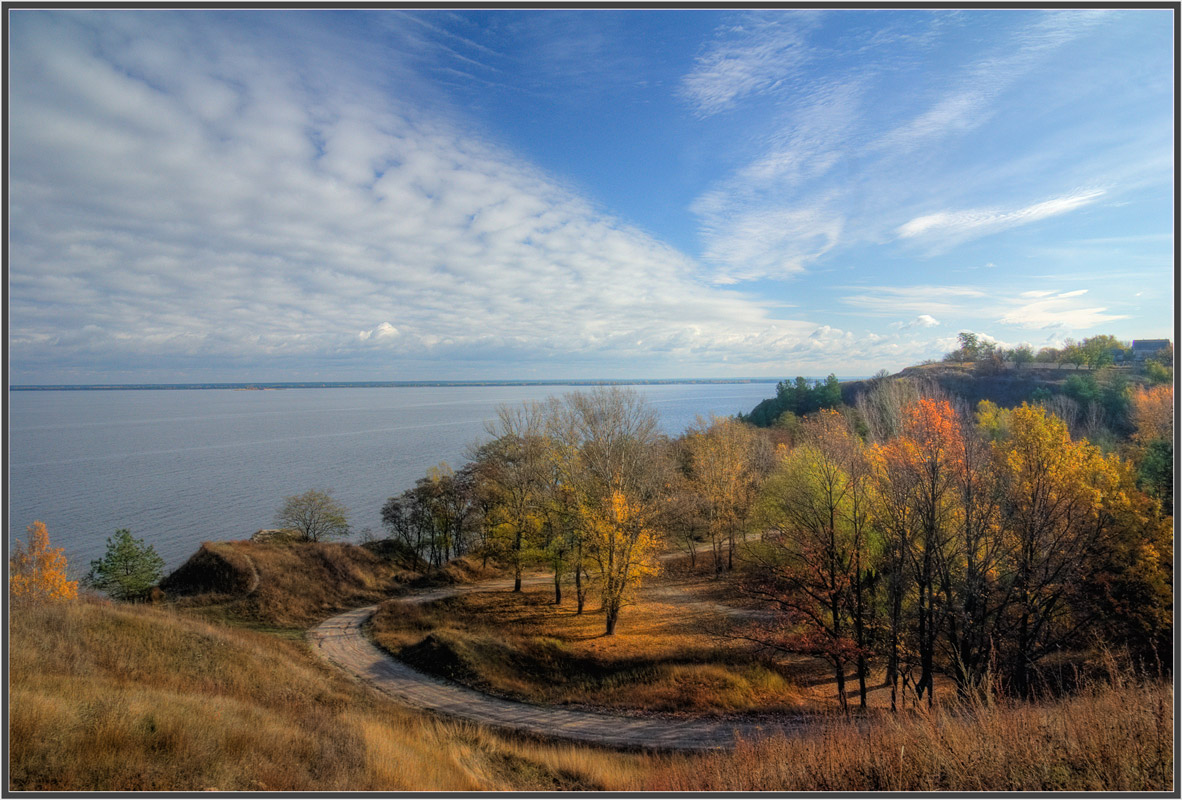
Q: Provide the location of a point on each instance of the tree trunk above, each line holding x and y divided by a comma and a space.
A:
839, 673
517, 561
612, 614
896, 614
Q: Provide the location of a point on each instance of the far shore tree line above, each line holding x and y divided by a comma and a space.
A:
906, 532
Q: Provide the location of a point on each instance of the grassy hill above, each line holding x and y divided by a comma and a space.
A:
286, 585
969, 383
113, 697
184, 696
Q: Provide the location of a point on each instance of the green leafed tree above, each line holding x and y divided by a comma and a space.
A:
128, 569
315, 514
1022, 355
1101, 350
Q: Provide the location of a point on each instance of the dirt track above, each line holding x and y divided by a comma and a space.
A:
342, 642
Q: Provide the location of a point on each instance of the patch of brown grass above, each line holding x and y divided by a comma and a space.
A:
283, 586
1108, 739
661, 659
108, 697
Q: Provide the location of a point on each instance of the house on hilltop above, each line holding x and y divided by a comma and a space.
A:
1145, 348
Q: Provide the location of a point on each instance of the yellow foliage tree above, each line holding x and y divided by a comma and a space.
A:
1061, 498
38, 571
724, 453
624, 547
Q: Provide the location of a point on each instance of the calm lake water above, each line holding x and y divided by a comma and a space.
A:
179, 467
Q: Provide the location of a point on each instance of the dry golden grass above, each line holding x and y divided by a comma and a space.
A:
283, 586
675, 651
1108, 739
663, 657
108, 697
118, 698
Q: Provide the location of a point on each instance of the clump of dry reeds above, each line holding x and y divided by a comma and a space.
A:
1115, 737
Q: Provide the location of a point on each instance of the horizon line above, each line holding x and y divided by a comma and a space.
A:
391, 383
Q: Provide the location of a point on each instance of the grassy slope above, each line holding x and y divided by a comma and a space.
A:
673, 652
117, 698
1010, 387
283, 586
113, 697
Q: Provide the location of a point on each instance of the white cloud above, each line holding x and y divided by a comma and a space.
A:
382, 331
970, 306
1057, 312
922, 321
763, 221
752, 56
958, 226
890, 300
286, 209
971, 100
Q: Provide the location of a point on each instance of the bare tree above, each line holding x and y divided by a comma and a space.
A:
315, 514
515, 468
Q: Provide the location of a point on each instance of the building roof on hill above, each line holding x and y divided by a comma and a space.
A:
1150, 344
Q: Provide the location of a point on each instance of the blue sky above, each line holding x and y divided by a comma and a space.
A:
291, 195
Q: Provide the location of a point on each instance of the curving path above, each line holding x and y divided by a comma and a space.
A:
342, 642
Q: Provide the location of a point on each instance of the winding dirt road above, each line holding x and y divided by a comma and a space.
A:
342, 641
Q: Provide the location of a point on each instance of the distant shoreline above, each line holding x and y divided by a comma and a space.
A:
265, 385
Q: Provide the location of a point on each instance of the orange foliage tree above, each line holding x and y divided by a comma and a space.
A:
37, 572
917, 472
1153, 413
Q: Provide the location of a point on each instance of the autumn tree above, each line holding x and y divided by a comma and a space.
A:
37, 572
897, 486
683, 514
1055, 516
726, 476
1101, 349
1022, 355
624, 549
969, 573
917, 475
619, 485
315, 514
1125, 590
1073, 352
1152, 412
448, 499
812, 562
405, 521
563, 543
1047, 355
